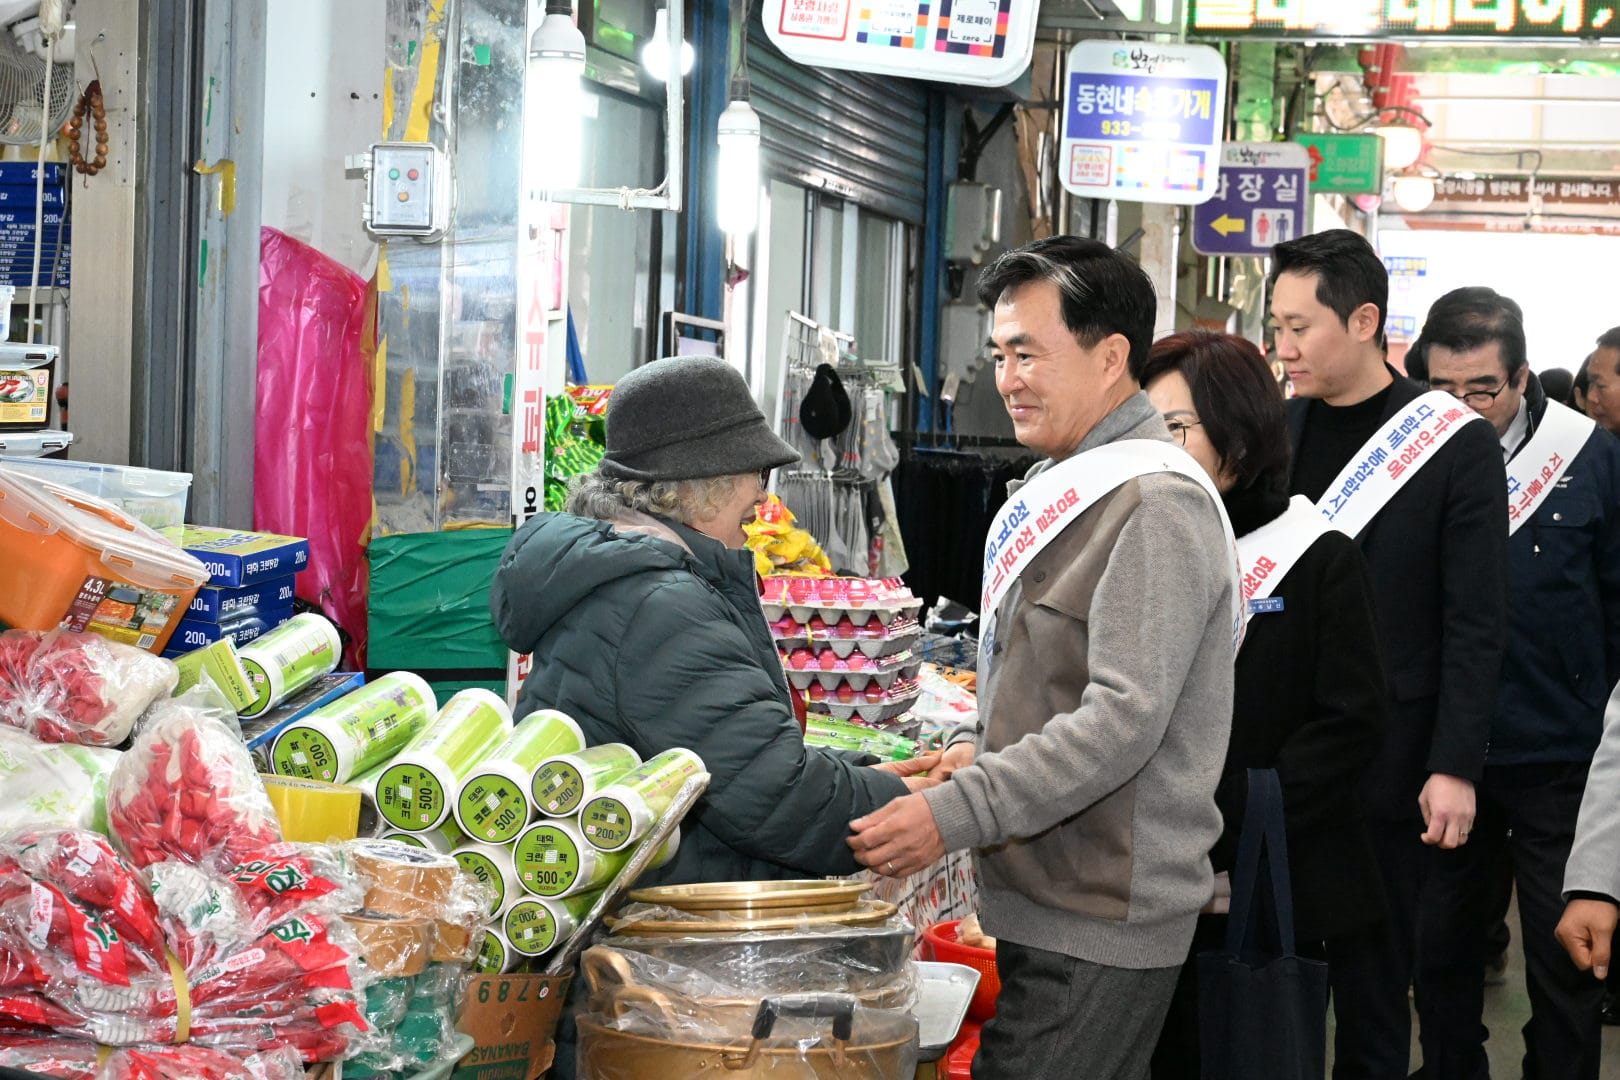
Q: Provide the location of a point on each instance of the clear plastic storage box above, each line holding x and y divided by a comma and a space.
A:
150, 496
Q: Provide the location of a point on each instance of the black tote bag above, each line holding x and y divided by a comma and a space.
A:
1262, 1009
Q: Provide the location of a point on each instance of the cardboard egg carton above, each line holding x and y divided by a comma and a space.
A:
820, 603
882, 714
827, 669
791, 636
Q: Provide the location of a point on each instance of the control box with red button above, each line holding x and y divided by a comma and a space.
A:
408, 190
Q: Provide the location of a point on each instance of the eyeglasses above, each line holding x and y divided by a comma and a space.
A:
765, 478
1179, 426
1480, 399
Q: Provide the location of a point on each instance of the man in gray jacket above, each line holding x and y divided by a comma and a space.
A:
1592, 875
1106, 687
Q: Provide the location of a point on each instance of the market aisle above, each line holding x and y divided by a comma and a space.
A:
1507, 1007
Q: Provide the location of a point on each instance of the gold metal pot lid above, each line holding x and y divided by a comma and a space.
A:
865, 913
749, 898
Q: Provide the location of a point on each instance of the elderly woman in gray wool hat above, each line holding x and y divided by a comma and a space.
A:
641, 608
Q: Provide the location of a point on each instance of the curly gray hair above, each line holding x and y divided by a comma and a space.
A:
607, 498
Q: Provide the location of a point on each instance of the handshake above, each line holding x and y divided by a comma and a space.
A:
930, 770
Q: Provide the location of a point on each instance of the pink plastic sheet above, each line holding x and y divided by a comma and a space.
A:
312, 458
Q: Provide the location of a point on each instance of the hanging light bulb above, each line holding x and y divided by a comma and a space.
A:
1403, 145
737, 210
655, 55
554, 91
1414, 192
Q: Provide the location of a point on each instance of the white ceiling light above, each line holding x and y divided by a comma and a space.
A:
655, 55
1414, 193
737, 203
1403, 145
554, 82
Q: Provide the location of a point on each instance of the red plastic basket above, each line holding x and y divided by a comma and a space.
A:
939, 942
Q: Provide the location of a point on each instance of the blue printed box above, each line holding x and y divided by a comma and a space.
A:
236, 560
193, 634
216, 605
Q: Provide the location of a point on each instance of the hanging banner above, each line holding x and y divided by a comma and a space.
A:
978, 42
1142, 122
1259, 200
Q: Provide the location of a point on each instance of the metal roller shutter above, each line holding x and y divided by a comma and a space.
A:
861, 137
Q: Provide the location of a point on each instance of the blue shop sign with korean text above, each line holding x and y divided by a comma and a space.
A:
1261, 200
1142, 122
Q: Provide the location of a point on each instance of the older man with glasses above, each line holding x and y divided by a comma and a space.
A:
1563, 655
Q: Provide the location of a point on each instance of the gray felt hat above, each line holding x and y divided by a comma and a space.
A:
685, 418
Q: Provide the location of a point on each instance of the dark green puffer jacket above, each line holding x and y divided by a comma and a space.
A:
650, 633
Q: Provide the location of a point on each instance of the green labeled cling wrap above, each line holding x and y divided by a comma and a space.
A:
566, 782
553, 860
625, 810
496, 799
357, 732
418, 788
534, 926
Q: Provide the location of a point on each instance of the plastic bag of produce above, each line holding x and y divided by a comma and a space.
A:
188, 790
78, 688
52, 786
73, 1059
93, 948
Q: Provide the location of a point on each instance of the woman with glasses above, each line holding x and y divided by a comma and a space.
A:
1309, 694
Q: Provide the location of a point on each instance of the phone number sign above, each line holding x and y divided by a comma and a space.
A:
1142, 122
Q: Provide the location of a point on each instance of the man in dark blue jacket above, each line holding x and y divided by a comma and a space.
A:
1563, 655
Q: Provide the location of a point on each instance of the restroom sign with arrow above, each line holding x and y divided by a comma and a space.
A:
1261, 200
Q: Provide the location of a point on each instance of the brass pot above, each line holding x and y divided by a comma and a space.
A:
614, 991
826, 1046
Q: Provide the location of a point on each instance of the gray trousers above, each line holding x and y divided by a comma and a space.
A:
1059, 1018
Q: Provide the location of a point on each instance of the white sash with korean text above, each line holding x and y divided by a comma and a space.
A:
1048, 504
1537, 467
1394, 454
1269, 552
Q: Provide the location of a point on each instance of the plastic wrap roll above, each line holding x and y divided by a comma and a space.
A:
287, 659
497, 798
371, 819
496, 955
418, 788
553, 860
404, 881
624, 811
567, 782
535, 926
357, 732
444, 840
313, 812
491, 864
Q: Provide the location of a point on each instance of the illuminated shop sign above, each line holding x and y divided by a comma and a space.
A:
1520, 19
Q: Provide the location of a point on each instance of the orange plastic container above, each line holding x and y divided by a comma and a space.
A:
71, 560
939, 942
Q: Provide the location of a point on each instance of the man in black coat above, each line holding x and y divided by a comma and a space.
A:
1563, 656
1437, 550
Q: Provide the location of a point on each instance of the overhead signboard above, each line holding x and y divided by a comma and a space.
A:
1567, 191
1345, 164
1552, 20
1142, 122
1259, 200
979, 42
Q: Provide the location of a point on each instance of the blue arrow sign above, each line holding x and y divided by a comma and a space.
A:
1261, 200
